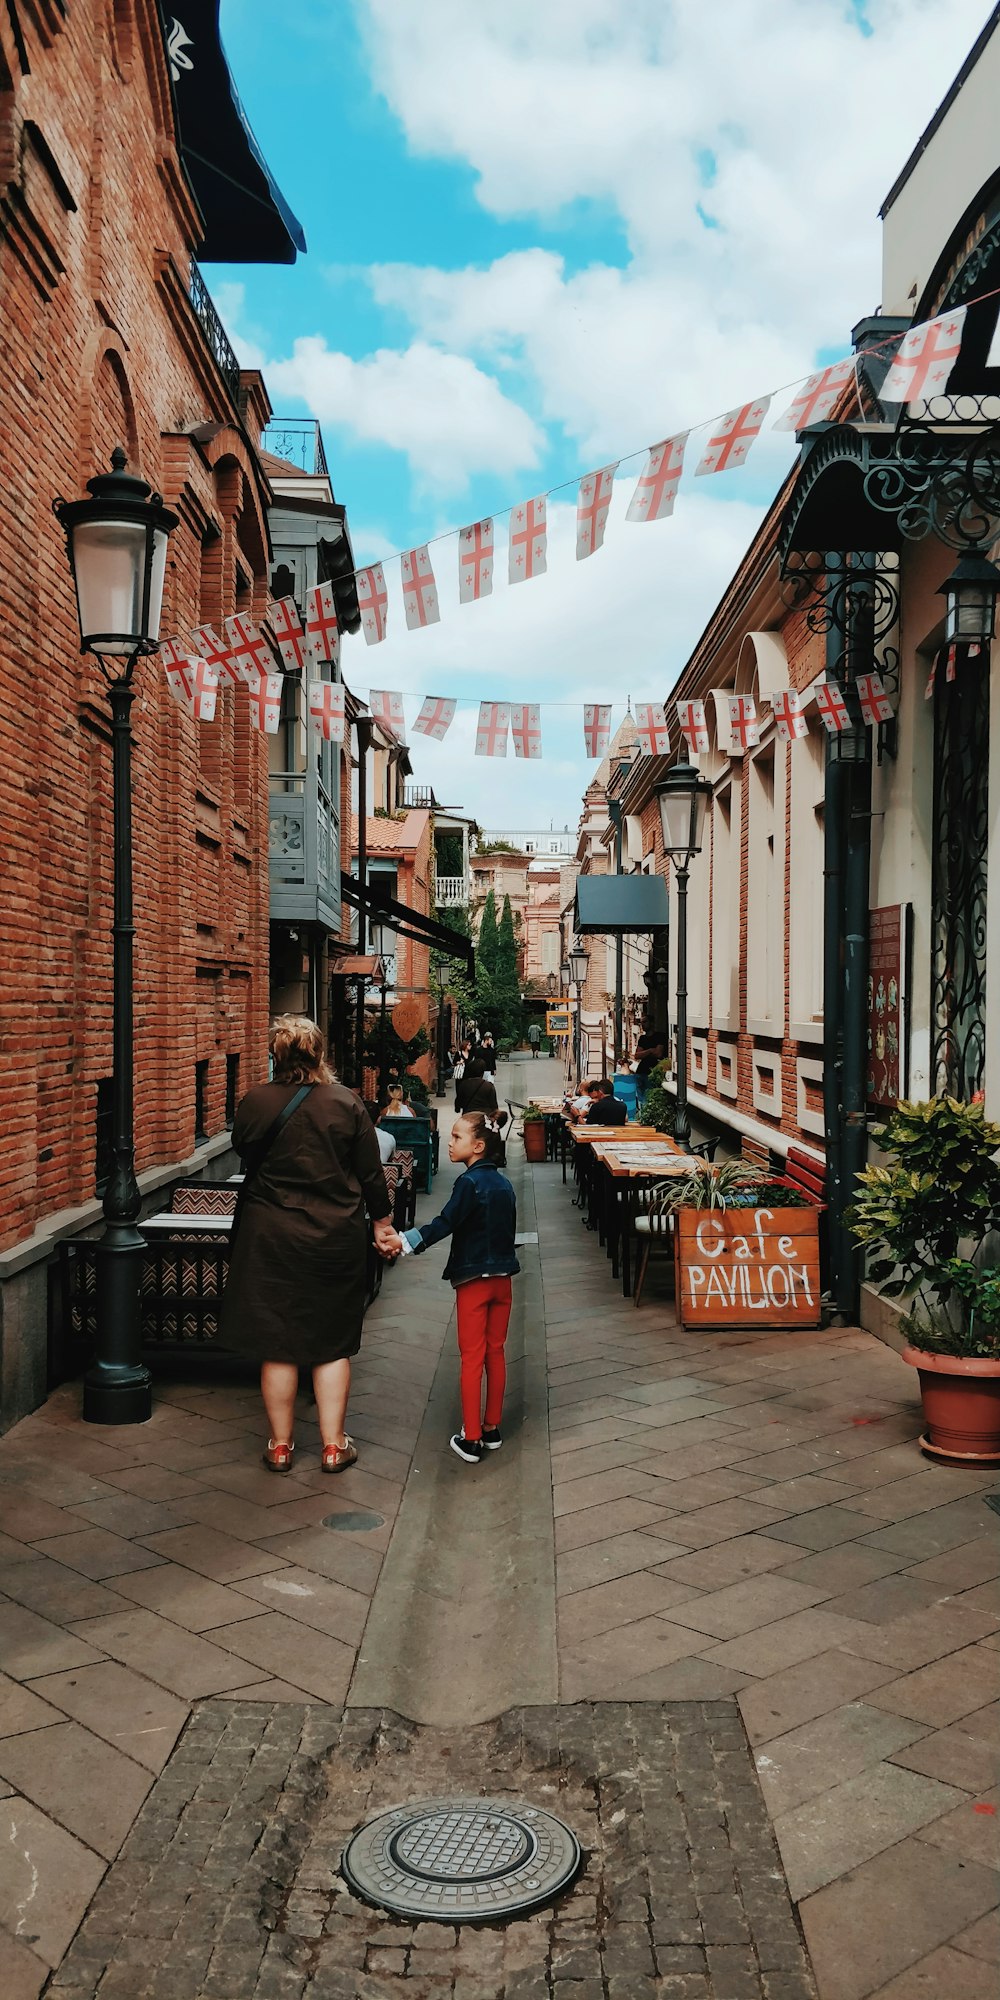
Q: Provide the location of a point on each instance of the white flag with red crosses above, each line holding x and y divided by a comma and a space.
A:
436, 717
475, 561
744, 728
216, 653
875, 703
731, 436
193, 683
373, 603
659, 480
526, 728
817, 398
925, 359
264, 694
694, 725
289, 633
327, 710
420, 602
652, 729
528, 538
250, 650
597, 728
593, 501
491, 734
322, 627
789, 720
387, 707
832, 707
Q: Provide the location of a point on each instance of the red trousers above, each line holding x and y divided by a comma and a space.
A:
483, 1306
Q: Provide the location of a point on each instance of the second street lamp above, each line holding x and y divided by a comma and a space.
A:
970, 594
683, 801
577, 961
117, 547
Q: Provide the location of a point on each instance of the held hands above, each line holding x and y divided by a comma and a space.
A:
388, 1242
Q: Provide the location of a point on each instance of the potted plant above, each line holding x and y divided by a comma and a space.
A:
656, 1109
533, 1132
928, 1217
746, 1249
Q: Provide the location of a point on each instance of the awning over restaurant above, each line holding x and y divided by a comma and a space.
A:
620, 905
247, 219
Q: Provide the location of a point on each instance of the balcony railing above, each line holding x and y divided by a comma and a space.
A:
300, 440
418, 795
219, 344
450, 891
303, 850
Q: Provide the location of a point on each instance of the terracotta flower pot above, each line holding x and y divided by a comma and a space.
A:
534, 1138
961, 1398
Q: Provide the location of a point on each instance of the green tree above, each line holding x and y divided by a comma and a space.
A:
507, 977
487, 941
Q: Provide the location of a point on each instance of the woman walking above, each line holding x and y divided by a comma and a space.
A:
296, 1291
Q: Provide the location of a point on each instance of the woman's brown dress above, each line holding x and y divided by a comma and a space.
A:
296, 1288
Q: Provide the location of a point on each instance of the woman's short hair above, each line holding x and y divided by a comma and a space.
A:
298, 1051
481, 1129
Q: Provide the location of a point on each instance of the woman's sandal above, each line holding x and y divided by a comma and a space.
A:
337, 1457
278, 1457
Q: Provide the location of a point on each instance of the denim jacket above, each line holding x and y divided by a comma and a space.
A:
480, 1216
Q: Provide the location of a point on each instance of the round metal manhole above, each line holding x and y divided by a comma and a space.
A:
453, 1861
353, 1521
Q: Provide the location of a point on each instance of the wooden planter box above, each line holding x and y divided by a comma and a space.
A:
747, 1267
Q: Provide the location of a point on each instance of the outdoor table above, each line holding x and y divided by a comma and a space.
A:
624, 1168
585, 1138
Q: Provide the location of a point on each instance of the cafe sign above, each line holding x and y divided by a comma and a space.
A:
747, 1267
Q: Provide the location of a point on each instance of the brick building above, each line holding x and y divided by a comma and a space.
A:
109, 182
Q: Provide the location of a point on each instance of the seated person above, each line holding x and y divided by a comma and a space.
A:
606, 1108
578, 1107
396, 1108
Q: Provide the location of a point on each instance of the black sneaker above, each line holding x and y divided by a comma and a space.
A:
491, 1438
469, 1449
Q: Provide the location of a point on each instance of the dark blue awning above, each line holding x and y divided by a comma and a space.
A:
247, 219
617, 905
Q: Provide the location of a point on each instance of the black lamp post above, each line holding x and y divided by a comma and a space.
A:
683, 800
577, 961
970, 595
117, 547
381, 943
552, 982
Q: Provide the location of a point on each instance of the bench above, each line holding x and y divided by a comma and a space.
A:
805, 1175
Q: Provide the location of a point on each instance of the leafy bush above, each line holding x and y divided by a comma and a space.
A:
531, 1114
658, 1110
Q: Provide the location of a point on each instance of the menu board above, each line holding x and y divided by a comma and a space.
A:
887, 933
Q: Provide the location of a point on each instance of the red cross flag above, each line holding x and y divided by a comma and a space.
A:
875, 703
527, 540
744, 728
526, 729
597, 728
593, 501
419, 593
926, 357
251, 652
436, 717
818, 397
264, 692
789, 720
289, 635
656, 491
491, 735
373, 603
216, 653
732, 435
651, 724
387, 707
322, 629
832, 707
475, 561
194, 684
694, 726
327, 709
173, 651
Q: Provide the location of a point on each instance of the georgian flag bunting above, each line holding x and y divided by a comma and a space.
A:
526, 729
387, 707
322, 627
652, 729
597, 728
732, 435
491, 734
744, 728
817, 398
288, 633
327, 709
216, 653
264, 693
789, 720
875, 703
436, 717
693, 725
659, 480
250, 650
373, 603
475, 561
593, 501
832, 707
193, 683
528, 537
419, 591
926, 357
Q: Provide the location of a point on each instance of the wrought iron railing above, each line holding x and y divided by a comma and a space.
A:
418, 795
219, 345
300, 440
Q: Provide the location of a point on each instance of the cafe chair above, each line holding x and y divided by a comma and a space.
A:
652, 1226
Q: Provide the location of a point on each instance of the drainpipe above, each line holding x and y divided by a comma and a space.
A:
616, 817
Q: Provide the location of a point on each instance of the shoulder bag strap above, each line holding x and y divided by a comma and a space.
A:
255, 1160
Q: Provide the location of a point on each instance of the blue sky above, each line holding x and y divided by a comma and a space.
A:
540, 239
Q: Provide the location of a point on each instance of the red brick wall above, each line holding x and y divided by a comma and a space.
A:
101, 347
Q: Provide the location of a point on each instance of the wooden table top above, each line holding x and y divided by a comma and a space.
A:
640, 1164
618, 1135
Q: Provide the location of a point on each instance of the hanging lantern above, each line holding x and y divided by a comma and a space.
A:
970, 594
117, 546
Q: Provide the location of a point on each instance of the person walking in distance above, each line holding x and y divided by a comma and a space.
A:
481, 1218
534, 1037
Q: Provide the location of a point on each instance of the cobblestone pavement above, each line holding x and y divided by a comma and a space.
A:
228, 1884
739, 1525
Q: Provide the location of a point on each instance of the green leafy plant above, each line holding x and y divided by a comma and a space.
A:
658, 1110
531, 1115
925, 1220
734, 1184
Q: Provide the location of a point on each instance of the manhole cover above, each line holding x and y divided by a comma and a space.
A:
353, 1521
461, 1860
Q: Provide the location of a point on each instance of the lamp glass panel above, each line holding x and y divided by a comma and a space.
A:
158, 570
109, 563
970, 613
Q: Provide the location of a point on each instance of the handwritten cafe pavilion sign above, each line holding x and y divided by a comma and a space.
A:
747, 1267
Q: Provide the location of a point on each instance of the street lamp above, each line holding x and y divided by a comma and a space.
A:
552, 982
382, 940
970, 594
683, 801
577, 961
117, 547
